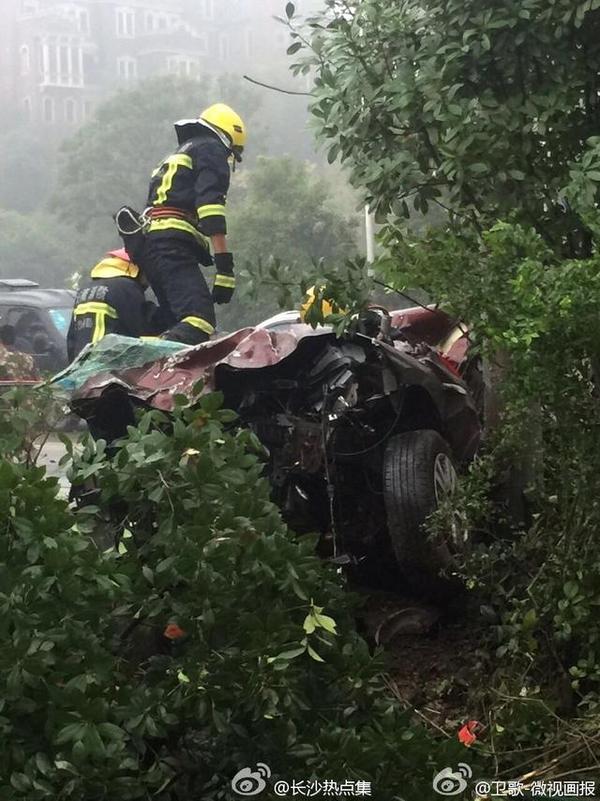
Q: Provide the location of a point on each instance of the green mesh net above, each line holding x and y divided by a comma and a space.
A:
112, 354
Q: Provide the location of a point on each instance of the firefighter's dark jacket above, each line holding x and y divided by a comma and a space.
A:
188, 190
109, 306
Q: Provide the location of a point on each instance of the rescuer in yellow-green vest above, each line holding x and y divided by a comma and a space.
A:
111, 301
186, 208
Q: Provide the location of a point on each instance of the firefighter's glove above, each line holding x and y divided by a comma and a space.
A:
224, 285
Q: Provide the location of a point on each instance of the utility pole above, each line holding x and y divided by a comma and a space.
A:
370, 234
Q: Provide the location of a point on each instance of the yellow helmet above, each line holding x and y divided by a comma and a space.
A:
227, 120
309, 301
116, 264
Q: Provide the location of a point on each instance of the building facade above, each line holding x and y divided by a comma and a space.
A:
59, 58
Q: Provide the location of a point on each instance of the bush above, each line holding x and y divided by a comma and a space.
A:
537, 313
249, 651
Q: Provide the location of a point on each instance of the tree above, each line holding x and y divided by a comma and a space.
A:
27, 169
484, 108
39, 247
492, 111
283, 212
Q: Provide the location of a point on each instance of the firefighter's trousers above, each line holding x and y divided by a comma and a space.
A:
172, 268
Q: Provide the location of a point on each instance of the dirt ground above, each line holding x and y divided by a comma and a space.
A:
434, 658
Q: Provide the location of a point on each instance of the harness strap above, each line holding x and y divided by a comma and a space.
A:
158, 212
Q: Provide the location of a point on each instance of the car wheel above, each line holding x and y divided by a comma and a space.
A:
418, 474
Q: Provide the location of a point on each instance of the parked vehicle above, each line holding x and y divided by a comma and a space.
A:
364, 433
35, 321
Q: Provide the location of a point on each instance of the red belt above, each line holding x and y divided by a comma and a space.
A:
158, 212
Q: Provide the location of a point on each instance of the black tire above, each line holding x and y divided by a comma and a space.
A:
409, 491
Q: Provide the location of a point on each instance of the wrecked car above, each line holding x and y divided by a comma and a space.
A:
365, 432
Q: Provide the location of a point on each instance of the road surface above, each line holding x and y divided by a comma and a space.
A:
50, 456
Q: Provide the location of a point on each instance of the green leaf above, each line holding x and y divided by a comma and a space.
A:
165, 564
43, 764
70, 733
309, 624
326, 622
79, 683
570, 589
61, 764
298, 590
332, 154
219, 721
290, 10
92, 741
111, 731
20, 782
313, 654
287, 655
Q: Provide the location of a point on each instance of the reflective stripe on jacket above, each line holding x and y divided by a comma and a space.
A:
107, 306
195, 181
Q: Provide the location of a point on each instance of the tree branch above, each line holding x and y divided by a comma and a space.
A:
276, 88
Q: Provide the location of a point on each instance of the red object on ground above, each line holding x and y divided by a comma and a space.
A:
173, 632
467, 735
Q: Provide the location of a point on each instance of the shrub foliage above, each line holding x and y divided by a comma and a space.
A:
175, 632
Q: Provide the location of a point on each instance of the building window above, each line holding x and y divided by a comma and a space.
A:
48, 109
70, 110
65, 73
224, 47
50, 60
179, 65
27, 108
83, 20
202, 44
207, 9
126, 68
249, 37
125, 23
39, 57
149, 22
162, 23
87, 110
24, 60
60, 63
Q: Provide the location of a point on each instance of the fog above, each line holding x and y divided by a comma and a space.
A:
61, 62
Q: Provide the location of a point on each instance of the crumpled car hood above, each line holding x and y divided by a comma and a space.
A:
156, 371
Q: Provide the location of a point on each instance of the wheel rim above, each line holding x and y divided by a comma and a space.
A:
444, 477
444, 482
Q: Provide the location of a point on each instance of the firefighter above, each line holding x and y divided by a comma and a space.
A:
111, 302
186, 207
310, 303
